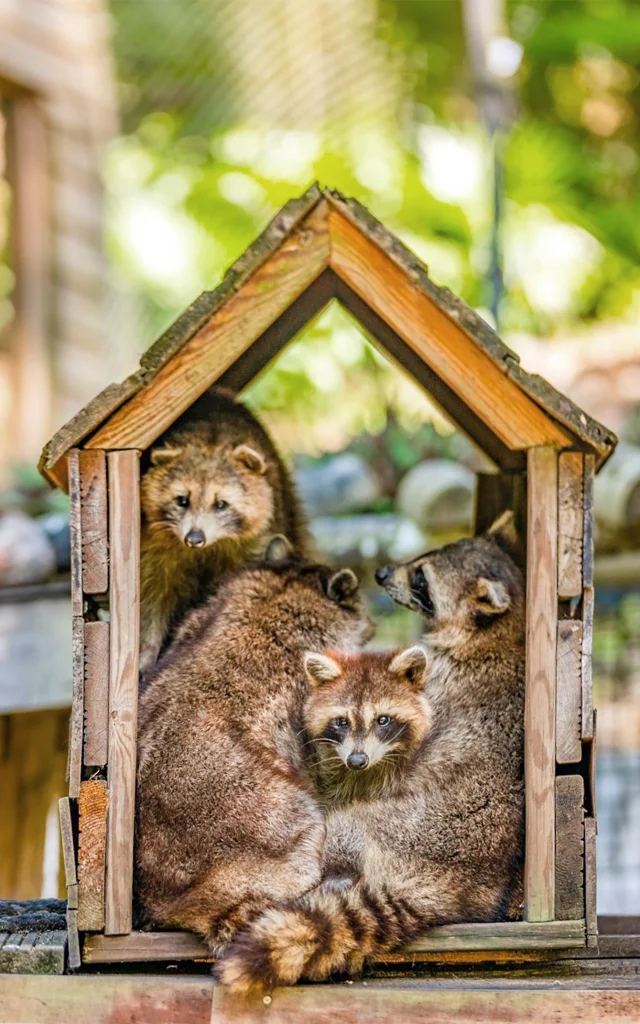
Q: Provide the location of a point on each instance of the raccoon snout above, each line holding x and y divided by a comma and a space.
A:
383, 574
357, 761
195, 539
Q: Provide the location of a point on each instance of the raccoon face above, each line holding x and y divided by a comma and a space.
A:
366, 710
205, 496
461, 588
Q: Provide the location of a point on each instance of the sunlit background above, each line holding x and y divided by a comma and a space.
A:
499, 139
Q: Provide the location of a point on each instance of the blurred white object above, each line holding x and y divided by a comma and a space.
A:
617, 489
26, 553
340, 485
367, 538
438, 496
503, 56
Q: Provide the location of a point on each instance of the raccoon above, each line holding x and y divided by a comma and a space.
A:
227, 822
214, 491
443, 844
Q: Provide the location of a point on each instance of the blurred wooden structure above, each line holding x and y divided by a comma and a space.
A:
57, 112
57, 91
545, 452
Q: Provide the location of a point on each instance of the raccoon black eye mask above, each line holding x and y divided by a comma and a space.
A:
421, 594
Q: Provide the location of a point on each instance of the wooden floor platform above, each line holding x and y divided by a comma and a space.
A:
608, 998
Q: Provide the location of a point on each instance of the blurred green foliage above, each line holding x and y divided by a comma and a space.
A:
193, 179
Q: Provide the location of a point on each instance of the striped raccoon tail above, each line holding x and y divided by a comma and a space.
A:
326, 931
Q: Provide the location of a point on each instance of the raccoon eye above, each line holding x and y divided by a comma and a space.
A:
384, 720
182, 500
341, 723
220, 504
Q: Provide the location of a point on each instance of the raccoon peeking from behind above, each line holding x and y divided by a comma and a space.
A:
213, 494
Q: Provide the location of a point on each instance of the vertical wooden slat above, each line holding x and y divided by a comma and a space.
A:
92, 837
96, 692
540, 687
124, 547
77, 706
590, 880
570, 524
93, 486
587, 601
569, 692
75, 526
66, 837
569, 847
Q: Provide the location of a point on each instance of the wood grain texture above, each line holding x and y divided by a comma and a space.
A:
459, 361
124, 591
588, 523
93, 486
75, 528
590, 880
73, 940
507, 935
569, 692
570, 524
540, 686
587, 666
66, 839
92, 839
76, 729
569, 847
96, 693
215, 347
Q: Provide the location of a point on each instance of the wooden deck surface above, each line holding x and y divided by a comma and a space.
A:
606, 998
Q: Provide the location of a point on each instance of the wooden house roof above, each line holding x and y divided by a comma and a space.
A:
323, 246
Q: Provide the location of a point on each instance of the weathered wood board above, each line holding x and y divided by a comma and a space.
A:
96, 693
569, 692
570, 524
540, 684
124, 547
92, 840
93, 514
569, 847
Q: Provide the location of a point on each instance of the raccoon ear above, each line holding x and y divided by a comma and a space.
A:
320, 669
342, 585
250, 459
160, 456
278, 551
492, 597
411, 665
503, 531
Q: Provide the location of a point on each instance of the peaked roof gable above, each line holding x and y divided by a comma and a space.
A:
318, 247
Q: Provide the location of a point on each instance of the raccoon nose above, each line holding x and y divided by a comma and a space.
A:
357, 761
383, 574
195, 539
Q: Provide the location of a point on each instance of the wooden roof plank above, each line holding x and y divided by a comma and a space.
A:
52, 462
553, 402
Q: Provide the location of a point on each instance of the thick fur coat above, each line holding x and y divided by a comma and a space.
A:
226, 820
213, 492
441, 840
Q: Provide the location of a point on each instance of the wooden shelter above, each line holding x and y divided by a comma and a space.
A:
545, 451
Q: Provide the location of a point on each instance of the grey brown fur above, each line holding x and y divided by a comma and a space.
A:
227, 823
443, 843
217, 452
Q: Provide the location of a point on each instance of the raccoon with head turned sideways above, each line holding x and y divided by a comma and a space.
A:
214, 492
227, 823
437, 837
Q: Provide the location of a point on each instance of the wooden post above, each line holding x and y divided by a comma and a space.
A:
540, 687
124, 546
92, 814
96, 692
93, 516
570, 524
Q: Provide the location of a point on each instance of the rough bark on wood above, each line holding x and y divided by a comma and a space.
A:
124, 546
590, 880
75, 526
569, 692
92, 837
587, 669
96, 692
93, 483
569, 847
76, 730
540, 687
66, 837
570, 524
